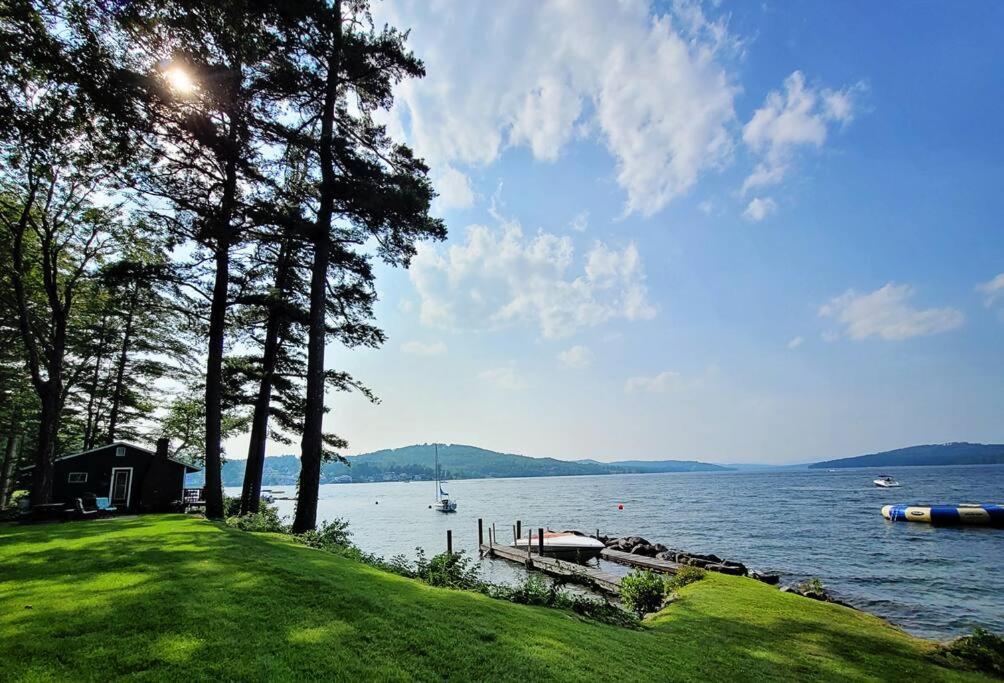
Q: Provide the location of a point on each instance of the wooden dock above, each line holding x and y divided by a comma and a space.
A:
652, 564
598, 579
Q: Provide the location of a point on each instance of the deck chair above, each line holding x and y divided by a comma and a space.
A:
104, 506
81, 510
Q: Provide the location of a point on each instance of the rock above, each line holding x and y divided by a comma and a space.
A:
610, 542
659, 548
726, 569
769, 579
635, 540
738, 568
667, 555
643, 549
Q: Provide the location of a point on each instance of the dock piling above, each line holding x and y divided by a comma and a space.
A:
540, 541
449, 541
519, 529
481, 532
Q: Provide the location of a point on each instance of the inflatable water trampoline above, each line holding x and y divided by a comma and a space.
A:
991, 515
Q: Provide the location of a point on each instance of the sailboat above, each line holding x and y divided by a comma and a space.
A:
443, 502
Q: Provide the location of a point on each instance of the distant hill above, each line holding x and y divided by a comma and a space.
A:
666, 466
959, 453
456, 461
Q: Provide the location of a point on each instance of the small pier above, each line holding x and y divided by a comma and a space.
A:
570, 571
652, 564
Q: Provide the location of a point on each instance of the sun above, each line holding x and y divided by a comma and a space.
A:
179, 80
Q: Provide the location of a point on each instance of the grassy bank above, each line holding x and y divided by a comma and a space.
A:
172, 598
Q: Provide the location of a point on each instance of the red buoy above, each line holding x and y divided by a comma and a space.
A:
620, 506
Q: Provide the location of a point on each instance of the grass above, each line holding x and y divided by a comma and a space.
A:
174, 598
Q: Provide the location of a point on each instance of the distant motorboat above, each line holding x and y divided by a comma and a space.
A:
563, 545
886, 482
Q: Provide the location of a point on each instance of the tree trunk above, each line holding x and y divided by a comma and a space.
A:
9, 460
45, 453
214, 384
251, 494
311, 444
113, 415
91, 427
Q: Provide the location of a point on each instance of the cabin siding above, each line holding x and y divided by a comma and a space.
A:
156, 484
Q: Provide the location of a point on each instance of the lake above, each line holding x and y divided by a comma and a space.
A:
936, 582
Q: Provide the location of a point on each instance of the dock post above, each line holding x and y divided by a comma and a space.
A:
449, 541
481, 533
597, 534
519, 529
514, 536
540, 541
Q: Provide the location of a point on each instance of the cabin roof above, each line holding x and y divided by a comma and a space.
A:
188, 468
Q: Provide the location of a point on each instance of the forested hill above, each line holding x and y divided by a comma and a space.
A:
959, 453
456, 461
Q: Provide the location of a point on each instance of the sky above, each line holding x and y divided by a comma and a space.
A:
734, 232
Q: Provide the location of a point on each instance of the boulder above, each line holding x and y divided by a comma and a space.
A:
725, 569
667, 555
635, 540
769, 579
643, 549
659, 548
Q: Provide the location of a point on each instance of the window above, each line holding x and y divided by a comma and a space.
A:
77, 478
120, 451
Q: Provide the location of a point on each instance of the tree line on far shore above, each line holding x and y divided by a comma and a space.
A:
193, 197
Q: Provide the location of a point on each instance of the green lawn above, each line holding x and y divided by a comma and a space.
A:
175, 598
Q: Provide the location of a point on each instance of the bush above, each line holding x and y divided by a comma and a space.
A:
331, 535
267, 519
643, 591
231, 506
684, 576
448, 571
981, 650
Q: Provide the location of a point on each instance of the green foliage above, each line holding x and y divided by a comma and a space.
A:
231, 506
643, 592
448, 570
332, 535
811, 586
684, 576
981, 651
267, 519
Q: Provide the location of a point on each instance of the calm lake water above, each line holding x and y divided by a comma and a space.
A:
933, 581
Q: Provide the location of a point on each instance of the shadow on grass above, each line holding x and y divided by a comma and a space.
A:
168, 598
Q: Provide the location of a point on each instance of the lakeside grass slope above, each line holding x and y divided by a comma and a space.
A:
175, 598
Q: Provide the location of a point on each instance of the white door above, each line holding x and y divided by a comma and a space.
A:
121, 487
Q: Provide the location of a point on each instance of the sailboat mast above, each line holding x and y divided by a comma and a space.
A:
437, 470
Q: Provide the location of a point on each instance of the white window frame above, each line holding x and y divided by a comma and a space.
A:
120, 452
111, 485
71, 480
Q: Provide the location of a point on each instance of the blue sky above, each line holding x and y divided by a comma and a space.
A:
736, 232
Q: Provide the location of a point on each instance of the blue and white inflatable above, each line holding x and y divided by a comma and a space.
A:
988, 515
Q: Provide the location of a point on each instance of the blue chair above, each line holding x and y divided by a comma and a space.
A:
104, 505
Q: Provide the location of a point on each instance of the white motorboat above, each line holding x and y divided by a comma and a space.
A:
443, 502
886, 482
563, 545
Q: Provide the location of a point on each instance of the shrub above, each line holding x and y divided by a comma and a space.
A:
267, 519
981, 650
231, 506
643, 591
684, 576
330, 535
448, 571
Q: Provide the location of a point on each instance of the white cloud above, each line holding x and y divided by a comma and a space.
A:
650, 87
580, 222
795, 343
499, 277
885, 313
706, 207
576, 357
454, 189
656, 384
503, 378
992, 290
759, 208
799, 117
418, 348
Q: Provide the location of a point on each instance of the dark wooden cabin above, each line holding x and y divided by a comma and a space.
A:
135, 479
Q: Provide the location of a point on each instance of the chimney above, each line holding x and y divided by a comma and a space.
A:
162, 444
